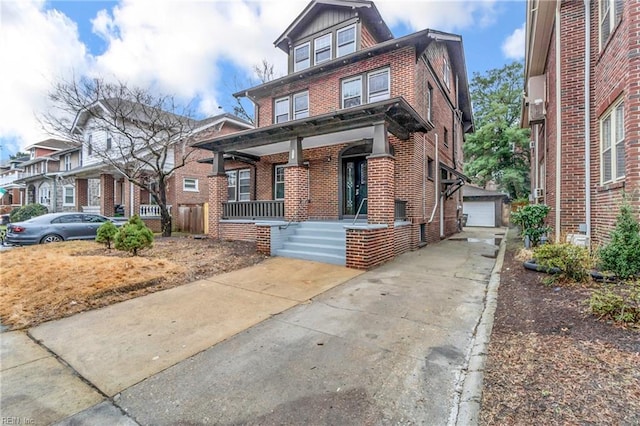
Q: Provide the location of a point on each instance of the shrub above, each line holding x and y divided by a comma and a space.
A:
106, 233
531, 220
573, 261
617, 302
27, 212
133, 236
622, 254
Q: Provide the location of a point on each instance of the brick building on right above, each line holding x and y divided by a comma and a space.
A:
582, 103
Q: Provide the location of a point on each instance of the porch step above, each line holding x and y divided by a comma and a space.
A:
318, 241
316, 257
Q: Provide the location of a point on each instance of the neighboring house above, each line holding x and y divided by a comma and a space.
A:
101, 188
357, 154
583, 106
483, 207
13, 194
42, 175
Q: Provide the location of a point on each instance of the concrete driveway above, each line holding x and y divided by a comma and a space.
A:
283, 342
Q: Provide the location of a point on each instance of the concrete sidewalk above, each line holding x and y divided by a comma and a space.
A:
391, 345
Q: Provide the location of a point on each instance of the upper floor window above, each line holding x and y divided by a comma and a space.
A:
109, 142
610, 15
190, 185
296, 106
377, 88
429, 102
322, 48
282, 110
612, 144
346, 41
300, 105
446, 137
301, 57
67, 162
446, 73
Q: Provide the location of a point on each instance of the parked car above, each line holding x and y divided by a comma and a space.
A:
54, 227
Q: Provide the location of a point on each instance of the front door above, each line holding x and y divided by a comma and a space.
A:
355, 186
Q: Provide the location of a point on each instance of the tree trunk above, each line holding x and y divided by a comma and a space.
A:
165, 220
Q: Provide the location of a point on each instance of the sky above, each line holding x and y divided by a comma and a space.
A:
200, 50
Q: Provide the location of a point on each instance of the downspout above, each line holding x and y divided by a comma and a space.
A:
558, 123
435, 206
131, 212
424, 176
587, 117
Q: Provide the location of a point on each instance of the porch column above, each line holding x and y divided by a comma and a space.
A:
218, 194
131, 199
296, 184
82, 193
107, 195
381, 179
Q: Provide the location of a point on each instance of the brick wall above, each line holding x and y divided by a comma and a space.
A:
402, 240
367, 248
238, 231
82, 193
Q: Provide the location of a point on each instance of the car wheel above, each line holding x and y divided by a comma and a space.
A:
51, 238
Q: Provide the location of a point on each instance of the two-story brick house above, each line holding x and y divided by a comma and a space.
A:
582, 103
357, 154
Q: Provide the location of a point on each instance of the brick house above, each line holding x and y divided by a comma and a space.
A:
357, 153
583, 88
13, 192
101, 188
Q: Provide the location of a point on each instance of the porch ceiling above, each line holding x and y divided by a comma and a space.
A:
334, 127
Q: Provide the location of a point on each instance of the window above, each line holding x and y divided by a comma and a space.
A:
446, 137
301, 57
612, 144
346, 41
190, 185
68, 196
89, 146
278, 183
352, 92
430, 103
300, 105
67, 162
322, 48
68, 218
239, 185
446, 73
378, 84
94, 218
610, 15
108, 142
430, 168
282, 110
44, 194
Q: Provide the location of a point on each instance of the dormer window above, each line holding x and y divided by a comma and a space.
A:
322, 48
302, 57
346, 41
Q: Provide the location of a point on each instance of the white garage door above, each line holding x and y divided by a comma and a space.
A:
481, 213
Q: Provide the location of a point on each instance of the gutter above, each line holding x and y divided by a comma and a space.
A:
587, 118
558, 124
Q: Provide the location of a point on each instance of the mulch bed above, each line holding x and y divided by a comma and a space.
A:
550, 361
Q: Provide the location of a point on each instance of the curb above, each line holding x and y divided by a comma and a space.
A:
468, 406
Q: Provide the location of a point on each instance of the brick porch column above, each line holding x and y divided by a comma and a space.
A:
82, 193
296, 184
107, 195
218, 186
381, 180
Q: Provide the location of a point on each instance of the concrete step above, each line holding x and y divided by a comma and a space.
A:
316, 257
315, 248
318, 239
319, 232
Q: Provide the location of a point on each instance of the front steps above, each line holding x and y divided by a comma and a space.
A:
318, 241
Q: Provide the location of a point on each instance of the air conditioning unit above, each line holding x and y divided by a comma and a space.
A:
537, 111
537, 98
539, 193
532, 145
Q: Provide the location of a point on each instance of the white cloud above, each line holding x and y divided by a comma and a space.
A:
513, 46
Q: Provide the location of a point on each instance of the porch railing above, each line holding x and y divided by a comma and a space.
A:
151, 210
400, 209
253, 210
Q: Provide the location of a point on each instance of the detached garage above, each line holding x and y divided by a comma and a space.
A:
482, 207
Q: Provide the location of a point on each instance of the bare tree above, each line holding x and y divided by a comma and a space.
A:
143, 136
263, 73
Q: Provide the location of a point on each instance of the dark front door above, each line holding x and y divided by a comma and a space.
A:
355, 185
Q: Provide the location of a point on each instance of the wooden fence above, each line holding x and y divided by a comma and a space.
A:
190, 219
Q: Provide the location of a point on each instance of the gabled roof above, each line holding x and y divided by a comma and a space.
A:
366, 9
475, 191
52, 144
221, 118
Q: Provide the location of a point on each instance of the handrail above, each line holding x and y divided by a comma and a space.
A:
294, 215
359, 208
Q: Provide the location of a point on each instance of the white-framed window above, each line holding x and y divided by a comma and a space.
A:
190, 184
378, 85
429, 102
612, 144
239, 185
282, 110
67, 162
302, 57
352, 92
300, 105
322, 48
610, 13
89, 144
109, 142
278, 182
346, 40
44, 194
446, 73
68, 196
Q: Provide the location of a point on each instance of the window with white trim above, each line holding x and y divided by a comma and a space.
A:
446, 73
68, 196
610, 13
232, 184
44, 194
109, 142
239, 185
346, 41
378, 85
278, 182
190, 184
300, 105
67, 162
375, 84
429, 102
302, 57
322, 48
351, 92
612, 144
296, 106
282, 110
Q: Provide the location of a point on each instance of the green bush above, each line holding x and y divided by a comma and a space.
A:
134, 236
530, 218
27, 212
106, 233
622, 254
617, 302
573, 261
